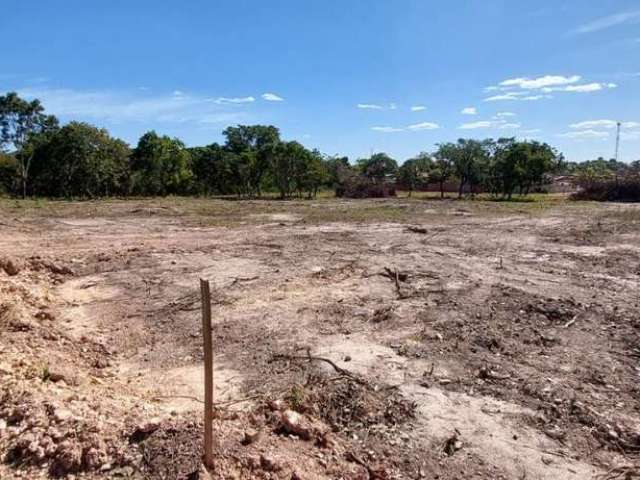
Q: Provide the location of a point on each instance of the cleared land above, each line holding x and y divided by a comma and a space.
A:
465, 339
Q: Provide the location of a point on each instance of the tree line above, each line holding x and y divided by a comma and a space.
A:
40, 157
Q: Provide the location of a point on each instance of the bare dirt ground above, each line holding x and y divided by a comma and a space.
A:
386, 339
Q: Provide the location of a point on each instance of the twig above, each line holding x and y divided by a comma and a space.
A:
243, 279
340, 370
571, 322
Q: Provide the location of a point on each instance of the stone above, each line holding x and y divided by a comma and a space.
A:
269, 463
295, 424
10, 266
250, 436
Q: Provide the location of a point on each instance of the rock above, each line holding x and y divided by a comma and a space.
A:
10, 266
295, 424
145, 429
93, 459
67, 459
62, 415
62, 374
250, 436
276, 405
269, 463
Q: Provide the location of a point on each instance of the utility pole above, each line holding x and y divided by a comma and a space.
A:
618, 125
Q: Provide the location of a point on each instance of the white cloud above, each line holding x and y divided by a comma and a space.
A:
505, 114
606, 124
392, 106
584, 88
530, 131
476, 125
525, 96
499, 124
585, 135
591, 124
134, 106
234, 100
412, 128
540, 82
178, 93
418, 108
424, 126
387, 129
272, 97
608, 22
369, 106
469, 111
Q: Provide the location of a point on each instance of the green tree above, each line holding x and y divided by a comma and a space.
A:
469, 159
443, 166
19, 120
255, 146
160, 165
213, 170
415, 172
79, 160
8, 173
333, 166
378, 166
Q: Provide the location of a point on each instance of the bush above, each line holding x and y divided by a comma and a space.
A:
623, 189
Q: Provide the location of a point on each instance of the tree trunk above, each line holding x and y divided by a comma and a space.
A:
461, 188
441, 188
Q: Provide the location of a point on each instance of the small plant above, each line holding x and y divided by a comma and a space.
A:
45, 374
296, 397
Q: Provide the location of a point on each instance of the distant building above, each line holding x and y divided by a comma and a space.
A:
563, 184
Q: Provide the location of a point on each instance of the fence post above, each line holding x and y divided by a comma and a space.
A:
208, 373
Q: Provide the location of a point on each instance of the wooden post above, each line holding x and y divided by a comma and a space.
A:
208, 373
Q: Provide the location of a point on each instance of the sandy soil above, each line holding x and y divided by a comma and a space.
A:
488, 342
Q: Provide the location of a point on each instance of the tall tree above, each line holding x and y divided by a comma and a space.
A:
19, 121
257, 143
378, 166
443, 167
414, 172
80, 160
160, 166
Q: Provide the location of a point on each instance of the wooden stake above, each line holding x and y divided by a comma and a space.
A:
208, 373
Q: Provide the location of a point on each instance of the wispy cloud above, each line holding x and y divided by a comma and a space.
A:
514, 96
607, 124
482, 124
504, 114
540, 82
530, 131
387, 129
584, 88
418, 108
234, 100
423, 126
585, 135
377, 106
272, 97
416, 127
370, 106
135, 106
608, 22
469, 111
531, 89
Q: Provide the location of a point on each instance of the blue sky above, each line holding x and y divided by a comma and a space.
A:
345, 76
